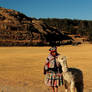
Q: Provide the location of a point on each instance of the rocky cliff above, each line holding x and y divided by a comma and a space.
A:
16, 29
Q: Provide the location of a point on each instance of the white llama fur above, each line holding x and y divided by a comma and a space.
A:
72, 77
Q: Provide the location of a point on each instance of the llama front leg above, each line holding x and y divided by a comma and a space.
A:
72, 87
66, 87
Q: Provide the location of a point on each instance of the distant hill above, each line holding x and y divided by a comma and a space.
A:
71, 26
16, 29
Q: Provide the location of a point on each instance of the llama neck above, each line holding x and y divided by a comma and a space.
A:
64, 68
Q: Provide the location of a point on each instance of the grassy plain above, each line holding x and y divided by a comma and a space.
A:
21, 68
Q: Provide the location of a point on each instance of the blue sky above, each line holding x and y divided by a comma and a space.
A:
73, 9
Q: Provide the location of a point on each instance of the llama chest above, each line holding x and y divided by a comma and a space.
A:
68, 76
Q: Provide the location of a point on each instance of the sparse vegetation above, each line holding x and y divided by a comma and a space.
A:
72, 27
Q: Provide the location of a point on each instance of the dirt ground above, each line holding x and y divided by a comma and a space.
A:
21, 68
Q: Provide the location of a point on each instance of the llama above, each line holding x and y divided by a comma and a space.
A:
72, 77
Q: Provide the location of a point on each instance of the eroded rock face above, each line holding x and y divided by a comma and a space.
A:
18, 29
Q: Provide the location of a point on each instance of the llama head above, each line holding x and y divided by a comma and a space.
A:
62, 60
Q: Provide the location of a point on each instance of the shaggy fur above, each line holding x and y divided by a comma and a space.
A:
73, 77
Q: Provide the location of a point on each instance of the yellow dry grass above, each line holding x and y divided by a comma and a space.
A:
23, 66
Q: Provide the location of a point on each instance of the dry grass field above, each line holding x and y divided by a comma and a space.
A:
21, 68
